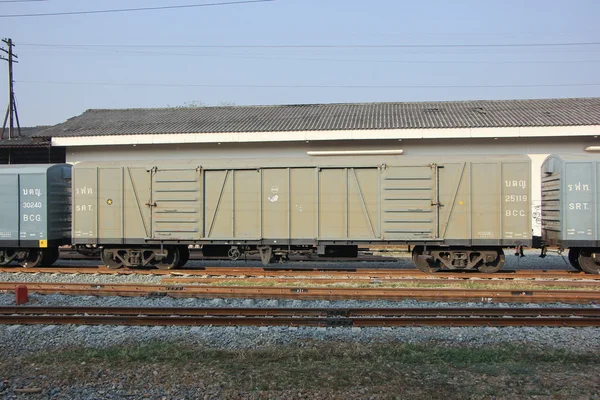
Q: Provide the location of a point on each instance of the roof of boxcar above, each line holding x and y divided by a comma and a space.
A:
575, 157
13, 169
325, 117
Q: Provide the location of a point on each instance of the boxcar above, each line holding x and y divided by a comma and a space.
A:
458, 213
570, 189
35, 216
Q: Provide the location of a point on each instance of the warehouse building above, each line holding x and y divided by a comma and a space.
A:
425, 129
29, 146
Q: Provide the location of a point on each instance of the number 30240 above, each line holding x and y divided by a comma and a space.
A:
32, 204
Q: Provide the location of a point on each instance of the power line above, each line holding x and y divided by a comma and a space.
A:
314, 86
345, 60
135, 9
320, 46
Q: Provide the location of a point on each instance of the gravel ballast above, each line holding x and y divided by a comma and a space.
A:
224, 378
16, 340
107, 380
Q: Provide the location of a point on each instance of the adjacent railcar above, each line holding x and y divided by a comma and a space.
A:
570, 196
457, 212
35, 213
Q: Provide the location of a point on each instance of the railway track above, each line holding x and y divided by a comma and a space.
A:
355, 317
312, 293
408, 281
356, 273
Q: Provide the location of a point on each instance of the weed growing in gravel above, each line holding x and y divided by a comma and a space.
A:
355, 369
407, 354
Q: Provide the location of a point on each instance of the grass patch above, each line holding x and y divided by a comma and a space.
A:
428, 370
343, 353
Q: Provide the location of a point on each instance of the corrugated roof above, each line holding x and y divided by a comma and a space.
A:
30, 137
317, 117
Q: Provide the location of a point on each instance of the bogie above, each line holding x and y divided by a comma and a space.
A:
432, 259
29, 258
167, 257
589, 260
7, 255
424, 261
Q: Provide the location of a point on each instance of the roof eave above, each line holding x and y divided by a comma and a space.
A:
299, 136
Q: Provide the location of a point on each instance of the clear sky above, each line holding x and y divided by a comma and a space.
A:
71, 63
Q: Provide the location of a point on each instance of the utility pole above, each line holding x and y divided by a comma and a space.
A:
11, 110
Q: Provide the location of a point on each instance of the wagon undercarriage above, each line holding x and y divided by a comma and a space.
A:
432, 259
163, 257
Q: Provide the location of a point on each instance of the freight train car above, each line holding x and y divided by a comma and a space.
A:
570, 205
457, 212
35, 213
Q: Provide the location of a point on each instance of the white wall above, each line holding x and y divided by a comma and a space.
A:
433, 147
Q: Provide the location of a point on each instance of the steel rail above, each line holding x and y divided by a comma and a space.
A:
306, 312
351, 272
295, 321
388, 273
312, 293
382, 281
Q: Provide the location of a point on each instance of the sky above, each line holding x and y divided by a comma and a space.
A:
294, 52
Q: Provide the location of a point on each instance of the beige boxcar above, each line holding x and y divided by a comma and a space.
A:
458, 212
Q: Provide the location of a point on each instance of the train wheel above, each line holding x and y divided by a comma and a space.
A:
184, 256
423, 264
6, 256
573, 258
171, 260
32, 259
588, 261
489, 267
266, 255
50, 255
107, 256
